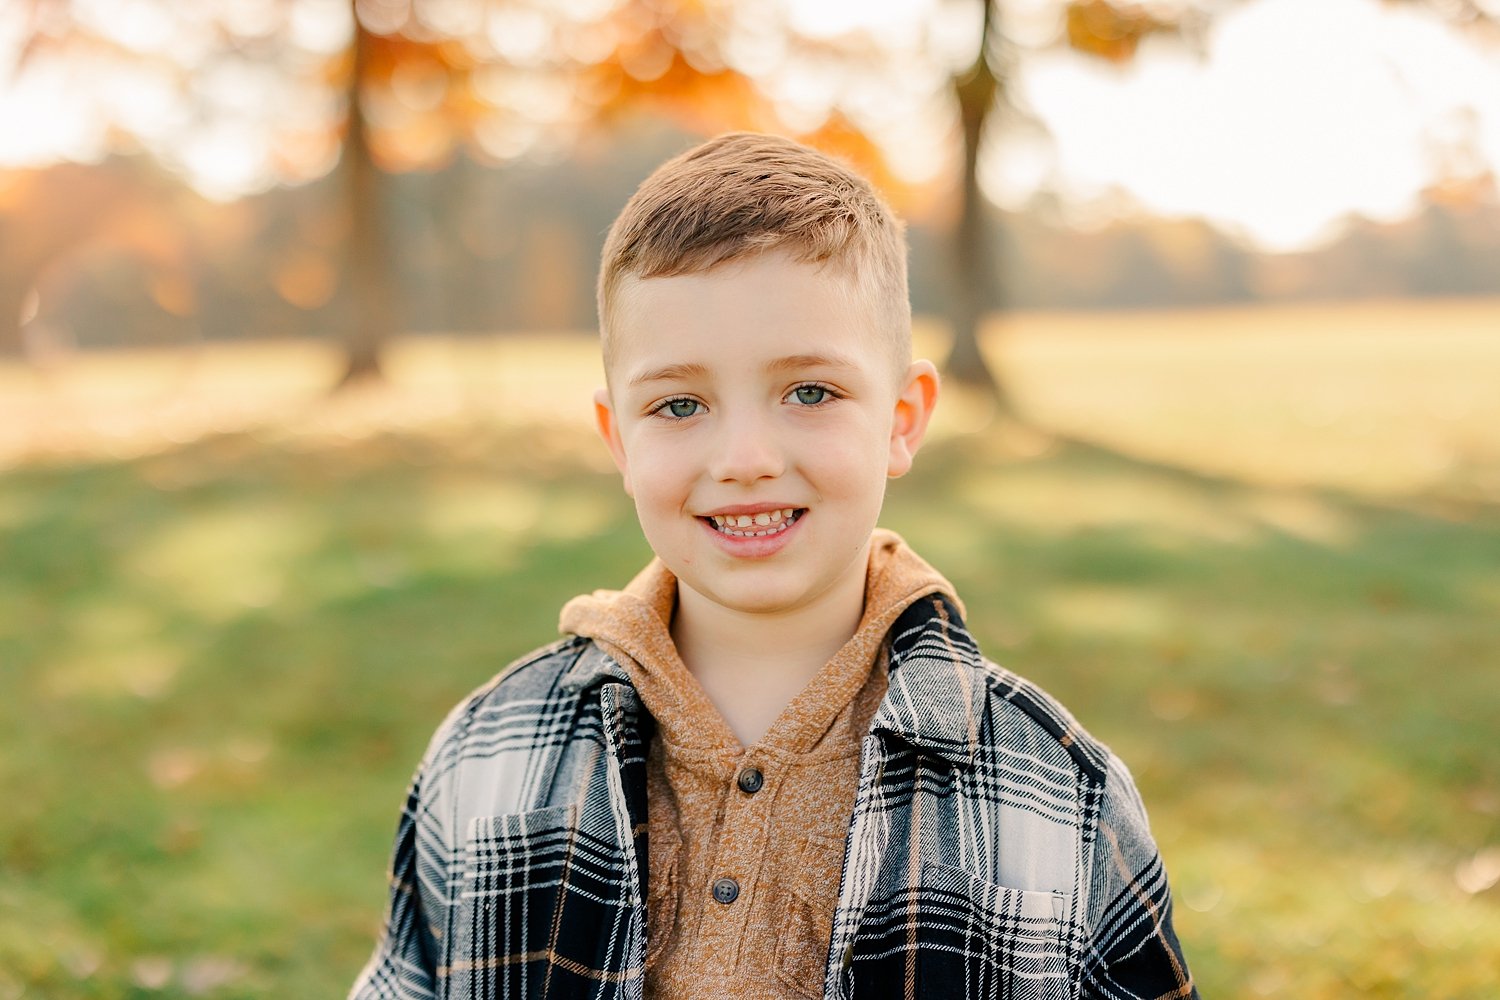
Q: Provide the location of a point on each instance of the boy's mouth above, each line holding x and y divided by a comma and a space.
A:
767, 522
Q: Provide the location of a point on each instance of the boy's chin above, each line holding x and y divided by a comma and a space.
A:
750, 600
762, 590
753, 593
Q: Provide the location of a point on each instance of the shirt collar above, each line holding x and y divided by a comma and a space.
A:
937, 692
592, 666
937, 689
937, 686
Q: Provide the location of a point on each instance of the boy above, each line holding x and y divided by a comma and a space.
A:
775, 765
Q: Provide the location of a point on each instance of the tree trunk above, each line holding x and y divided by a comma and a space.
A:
13, 291
974, 261
374, 302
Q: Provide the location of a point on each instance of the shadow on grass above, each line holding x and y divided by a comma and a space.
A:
1300, 679
222, 662
1299, 608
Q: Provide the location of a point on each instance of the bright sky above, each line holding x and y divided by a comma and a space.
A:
1300, 113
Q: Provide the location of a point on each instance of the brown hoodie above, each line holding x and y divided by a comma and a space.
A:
746, 844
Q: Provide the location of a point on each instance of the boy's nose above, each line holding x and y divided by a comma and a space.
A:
745, 451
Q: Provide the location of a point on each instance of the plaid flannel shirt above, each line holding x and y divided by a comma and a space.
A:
995, 849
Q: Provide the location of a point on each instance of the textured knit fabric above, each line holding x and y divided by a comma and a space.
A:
995, 849
783, 844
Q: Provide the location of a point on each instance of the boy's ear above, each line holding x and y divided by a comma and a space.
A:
609, 429
914, 404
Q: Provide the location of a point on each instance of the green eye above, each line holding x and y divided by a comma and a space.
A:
810, 395
682, 407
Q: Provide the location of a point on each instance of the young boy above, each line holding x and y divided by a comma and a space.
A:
775, 765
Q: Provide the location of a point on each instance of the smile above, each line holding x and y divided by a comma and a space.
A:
768, 522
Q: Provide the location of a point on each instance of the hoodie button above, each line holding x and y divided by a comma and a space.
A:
726, 890
751, 780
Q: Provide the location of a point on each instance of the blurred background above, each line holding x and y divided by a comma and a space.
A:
296, 348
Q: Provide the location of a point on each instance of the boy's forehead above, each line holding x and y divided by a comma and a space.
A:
808, 283
821, 305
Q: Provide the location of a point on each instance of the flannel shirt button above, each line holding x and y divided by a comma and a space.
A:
751, 780
848, 955
726, 890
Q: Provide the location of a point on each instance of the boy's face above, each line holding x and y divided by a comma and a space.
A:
752, 391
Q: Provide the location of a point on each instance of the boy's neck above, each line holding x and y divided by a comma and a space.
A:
752, 665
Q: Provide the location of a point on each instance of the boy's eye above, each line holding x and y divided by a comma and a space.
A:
810, 395
681, 407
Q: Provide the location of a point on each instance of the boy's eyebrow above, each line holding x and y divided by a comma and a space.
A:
669, 373
811, 361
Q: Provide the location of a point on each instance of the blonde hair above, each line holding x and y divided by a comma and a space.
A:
742, 194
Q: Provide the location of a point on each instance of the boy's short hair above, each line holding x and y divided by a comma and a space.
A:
743, 193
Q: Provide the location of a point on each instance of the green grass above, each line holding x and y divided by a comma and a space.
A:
219, 663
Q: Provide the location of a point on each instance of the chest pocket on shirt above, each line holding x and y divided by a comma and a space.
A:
543, 909
980, 939
802, 943
959, 936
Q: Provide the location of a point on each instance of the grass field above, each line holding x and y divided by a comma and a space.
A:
1256, 551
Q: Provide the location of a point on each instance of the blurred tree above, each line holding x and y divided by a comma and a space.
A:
384, 87
500, 77
504, 76
1103, 28
368, 251
978, 91
414, 82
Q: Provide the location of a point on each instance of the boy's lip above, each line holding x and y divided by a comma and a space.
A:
749, 508
767, 542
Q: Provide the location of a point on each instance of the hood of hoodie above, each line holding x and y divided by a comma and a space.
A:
633, 626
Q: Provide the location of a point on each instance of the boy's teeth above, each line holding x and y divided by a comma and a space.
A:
774, 520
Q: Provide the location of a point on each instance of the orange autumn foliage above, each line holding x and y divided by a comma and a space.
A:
1111, 31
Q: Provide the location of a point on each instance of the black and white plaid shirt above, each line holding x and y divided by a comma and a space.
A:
995, 849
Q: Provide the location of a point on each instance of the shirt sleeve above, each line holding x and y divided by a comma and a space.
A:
1133, 952
403, 966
